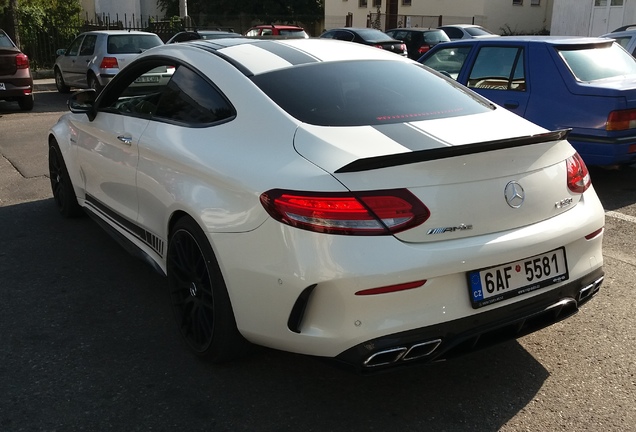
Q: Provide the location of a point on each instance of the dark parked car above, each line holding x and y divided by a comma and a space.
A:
367, 36
584, 84
202, 34
466, 31
418, 40
16, 82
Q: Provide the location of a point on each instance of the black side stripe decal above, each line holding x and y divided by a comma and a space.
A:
147, 237
378, 162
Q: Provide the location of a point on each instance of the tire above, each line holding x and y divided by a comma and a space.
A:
61, 186
94, 83
59, 82
26, 103
199, 298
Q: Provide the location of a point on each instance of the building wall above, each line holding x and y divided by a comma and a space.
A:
571, 17
492, 14
140, 9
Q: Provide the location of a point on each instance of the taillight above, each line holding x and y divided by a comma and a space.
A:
403, 47
621, 120
362, 213
578, 175
22, 61
423, 49
109, 63
379, 46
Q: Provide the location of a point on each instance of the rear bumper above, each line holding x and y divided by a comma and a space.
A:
453, 338
605, 150
16, 88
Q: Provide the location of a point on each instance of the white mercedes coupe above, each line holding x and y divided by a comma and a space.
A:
331, 199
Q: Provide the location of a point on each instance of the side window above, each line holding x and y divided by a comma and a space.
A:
267, 32
448, 61
252, 33
74, 48
190, 99
498, 68
137, 92
344, 36
88, 46
454, 33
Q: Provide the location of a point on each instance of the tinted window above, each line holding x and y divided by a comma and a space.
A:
190, 99
372, 35
593, 64
453, 33
477, 31
357, 93
5, 42
448, 61
498, 68
132, 43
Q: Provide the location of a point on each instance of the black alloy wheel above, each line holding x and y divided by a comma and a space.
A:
61, 186
199, 297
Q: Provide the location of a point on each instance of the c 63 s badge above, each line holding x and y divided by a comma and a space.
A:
444, 230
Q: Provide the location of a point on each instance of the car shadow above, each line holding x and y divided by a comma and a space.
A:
89, 341
616, 187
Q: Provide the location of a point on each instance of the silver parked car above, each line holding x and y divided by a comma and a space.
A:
95, 57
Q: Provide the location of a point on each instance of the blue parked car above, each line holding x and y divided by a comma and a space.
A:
584, 84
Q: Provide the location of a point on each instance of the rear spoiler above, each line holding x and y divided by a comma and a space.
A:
377, 162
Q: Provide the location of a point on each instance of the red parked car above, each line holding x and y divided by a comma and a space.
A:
16, 82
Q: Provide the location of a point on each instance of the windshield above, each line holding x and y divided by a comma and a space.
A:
357, 93
132, 43
597, 63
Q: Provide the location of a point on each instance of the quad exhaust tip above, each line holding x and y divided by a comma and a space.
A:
398, 354
591, 289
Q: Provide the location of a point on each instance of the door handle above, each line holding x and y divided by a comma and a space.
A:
126, 139
511, 104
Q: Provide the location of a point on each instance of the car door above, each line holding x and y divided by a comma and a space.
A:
107, 147
84, 57
498, 73
68, 62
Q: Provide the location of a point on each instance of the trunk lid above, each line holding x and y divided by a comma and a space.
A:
463, 185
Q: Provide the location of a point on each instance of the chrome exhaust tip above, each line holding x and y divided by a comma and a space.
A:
591, 289
386, 357
397, 354
421, 350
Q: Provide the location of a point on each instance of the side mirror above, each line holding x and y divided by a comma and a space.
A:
82, 102
60, 52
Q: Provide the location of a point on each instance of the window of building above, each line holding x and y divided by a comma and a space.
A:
535, 2
377, 3
406, 2
362, 3
517, 2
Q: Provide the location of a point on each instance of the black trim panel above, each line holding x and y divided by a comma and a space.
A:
150, 239
386, 161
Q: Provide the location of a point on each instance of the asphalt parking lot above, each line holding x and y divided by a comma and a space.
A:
87, 341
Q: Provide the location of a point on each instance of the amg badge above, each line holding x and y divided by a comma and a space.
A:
443, 230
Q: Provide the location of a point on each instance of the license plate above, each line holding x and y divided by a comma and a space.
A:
147, 79
494, 284
2, 86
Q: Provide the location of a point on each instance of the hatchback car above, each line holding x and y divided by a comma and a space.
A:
466, 31
418, 40
16, 82
95, 57
277, 31
367, 36
339, 226
582, 84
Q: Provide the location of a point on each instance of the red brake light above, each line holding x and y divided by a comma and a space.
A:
621, 120
423, 49
578, 175
109, 63
22, 61
363, 213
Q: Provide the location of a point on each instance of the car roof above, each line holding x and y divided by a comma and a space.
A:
257, 56
119, 32
415, 29
620, 33
549, 40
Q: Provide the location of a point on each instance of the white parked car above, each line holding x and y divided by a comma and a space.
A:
298, 199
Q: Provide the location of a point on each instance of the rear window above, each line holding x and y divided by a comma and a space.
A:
478, 31
358, 93
5, 42
132, 43
597, 63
